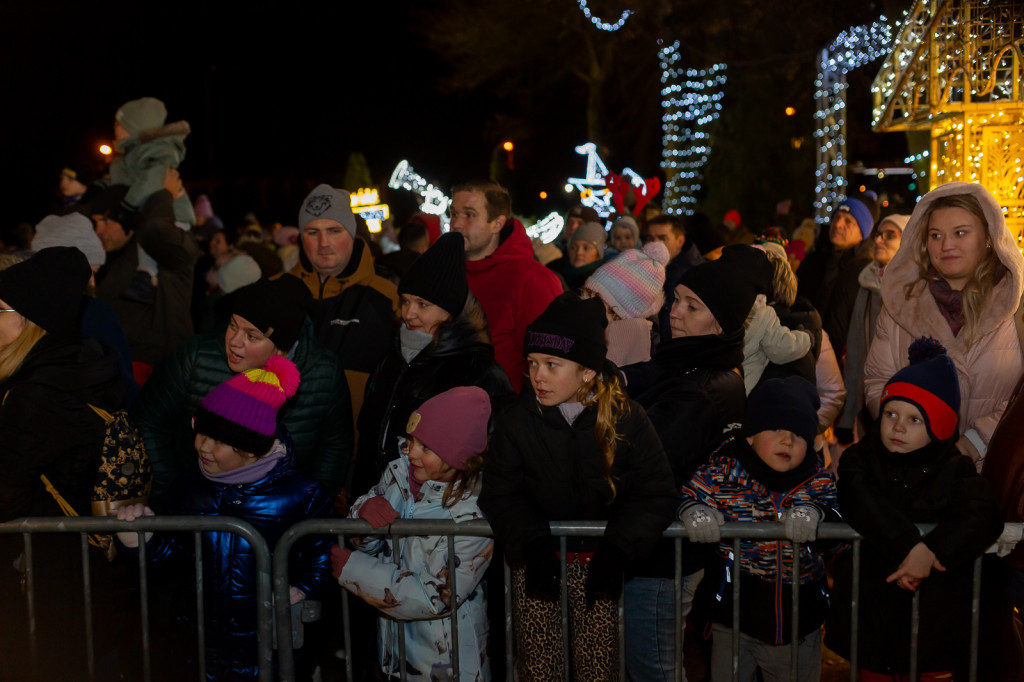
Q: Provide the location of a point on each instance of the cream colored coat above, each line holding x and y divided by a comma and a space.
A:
990, 368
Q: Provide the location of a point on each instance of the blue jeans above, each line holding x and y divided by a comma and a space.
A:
650, 622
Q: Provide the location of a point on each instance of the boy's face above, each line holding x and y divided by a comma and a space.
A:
120, 132
903, 428
780, 449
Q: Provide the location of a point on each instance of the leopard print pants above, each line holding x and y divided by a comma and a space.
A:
593, 632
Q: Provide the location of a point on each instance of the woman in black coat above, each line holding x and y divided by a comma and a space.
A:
699, 394
442, 343
49, 377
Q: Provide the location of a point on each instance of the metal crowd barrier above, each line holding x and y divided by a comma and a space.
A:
273, 578
83, 526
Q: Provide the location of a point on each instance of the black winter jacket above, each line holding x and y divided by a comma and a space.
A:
539, 469
461, 355
699, 394
154, 330
318, 417
882, 495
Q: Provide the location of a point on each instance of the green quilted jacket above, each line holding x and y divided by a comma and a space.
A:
318, 417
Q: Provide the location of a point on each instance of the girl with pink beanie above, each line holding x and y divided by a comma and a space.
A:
435, 477
244, 470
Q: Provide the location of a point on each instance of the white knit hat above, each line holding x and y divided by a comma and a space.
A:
73, 229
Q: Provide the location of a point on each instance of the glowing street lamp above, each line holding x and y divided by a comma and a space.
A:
105, 150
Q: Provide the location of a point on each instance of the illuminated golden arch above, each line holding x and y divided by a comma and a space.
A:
956, 70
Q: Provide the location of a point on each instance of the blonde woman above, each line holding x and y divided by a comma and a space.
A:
957, 277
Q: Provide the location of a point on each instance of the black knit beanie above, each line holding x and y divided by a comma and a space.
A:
439, 275
724, 288
570, 328
47, 288
752, 263
791, 404
276, 307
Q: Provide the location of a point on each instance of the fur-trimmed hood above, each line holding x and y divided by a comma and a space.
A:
920, 313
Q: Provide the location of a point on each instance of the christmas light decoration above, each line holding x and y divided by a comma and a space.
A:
593, 187
365, 203
603, 25
956, 70
546, 229
851, 49
435, 202
691, 99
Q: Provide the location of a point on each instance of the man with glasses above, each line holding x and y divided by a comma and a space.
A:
886, 238
512, 287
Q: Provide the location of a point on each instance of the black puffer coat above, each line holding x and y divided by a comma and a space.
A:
698, 395
460, 355
882, 495
539, 468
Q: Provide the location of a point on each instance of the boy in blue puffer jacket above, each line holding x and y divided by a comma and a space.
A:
768, 475
245, 470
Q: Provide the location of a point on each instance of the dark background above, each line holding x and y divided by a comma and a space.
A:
279, 94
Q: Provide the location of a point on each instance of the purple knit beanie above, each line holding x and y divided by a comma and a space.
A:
453, 424
242, 412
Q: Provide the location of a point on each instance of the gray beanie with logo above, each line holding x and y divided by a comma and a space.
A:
328, 203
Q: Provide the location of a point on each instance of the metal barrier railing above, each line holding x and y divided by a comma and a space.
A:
194, 524
562, 530
273, 579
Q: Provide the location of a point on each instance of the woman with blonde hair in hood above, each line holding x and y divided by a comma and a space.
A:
957, 277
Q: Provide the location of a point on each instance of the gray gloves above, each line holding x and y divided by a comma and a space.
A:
702, 522
801, 523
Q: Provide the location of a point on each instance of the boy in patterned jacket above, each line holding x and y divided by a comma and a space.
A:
766, 474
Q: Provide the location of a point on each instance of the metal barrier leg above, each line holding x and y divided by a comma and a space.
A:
509, 647
915, 612
147, 663
972, 674
90, 635
454, 606
794, 633
200, 610
855, 611
30, 595
562, 547
735, 609
346, 623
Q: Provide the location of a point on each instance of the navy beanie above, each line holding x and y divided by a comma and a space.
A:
791, 404
860, 212
570, 328
931, 384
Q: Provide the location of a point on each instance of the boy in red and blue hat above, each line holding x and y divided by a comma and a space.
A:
908, 471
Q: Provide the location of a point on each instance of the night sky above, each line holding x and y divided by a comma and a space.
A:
277, 94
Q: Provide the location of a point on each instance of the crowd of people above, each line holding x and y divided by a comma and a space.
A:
640, 369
